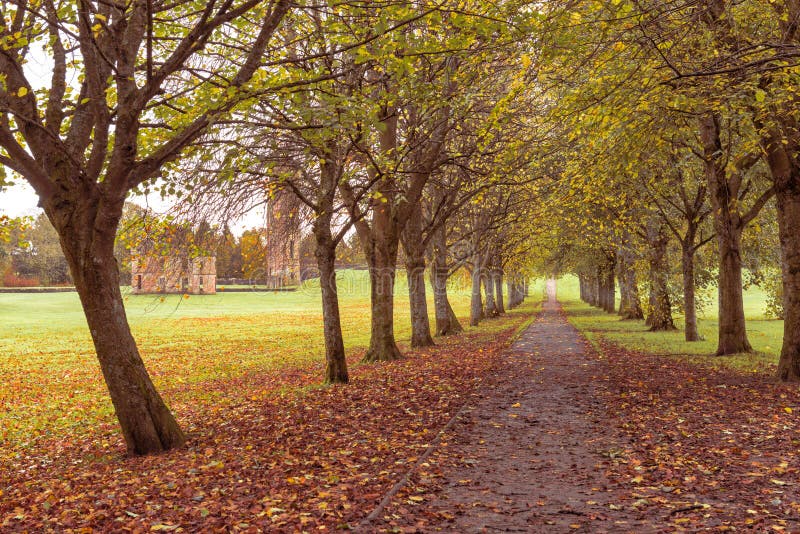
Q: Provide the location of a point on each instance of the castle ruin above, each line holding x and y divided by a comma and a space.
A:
170, 274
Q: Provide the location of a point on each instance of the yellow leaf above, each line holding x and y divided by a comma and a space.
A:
22, 92
787, 410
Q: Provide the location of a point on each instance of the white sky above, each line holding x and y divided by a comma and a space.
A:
18, 200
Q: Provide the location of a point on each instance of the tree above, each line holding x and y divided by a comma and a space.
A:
229, 255
43, 258
735, 63
410, 127
138, 107
12, 241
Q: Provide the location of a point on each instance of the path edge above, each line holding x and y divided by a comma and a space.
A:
434, 443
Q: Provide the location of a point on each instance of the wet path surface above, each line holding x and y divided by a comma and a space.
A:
530, 451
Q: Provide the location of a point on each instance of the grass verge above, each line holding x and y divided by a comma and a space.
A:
596, 325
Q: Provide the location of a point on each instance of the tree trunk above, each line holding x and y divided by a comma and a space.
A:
624, 294
488, 284
325, 252
380, 242
517, 291
582, 286
786, 178
420, 323
498, 287
788, 204
632, 309
476, 302
414, 246
609, 300
689, 299
455, 324
147, 424
511, 289
732, 328
602, 289
382, 345
597, 293
446, 320
728, 227
660, 317
591, 297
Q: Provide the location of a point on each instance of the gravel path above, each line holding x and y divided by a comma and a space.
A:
529, 452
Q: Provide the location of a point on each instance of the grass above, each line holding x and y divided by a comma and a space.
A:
765, 334
52, 381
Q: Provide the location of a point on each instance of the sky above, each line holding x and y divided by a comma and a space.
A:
18, 200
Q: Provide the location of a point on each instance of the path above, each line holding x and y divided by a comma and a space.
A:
529, 452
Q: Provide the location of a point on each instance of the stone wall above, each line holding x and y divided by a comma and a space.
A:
158, 274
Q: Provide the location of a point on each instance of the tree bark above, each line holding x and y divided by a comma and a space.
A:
732, 327
488, 285
325, 253
602, 293
512, 292
382, 344
608, 286
86, 228
624, 294
786, 178
660, 316
597, 288
498, 287
728, 227
414, 246
788, 204
632, 308
476, 301
689, 298
516, 291
420, 323
446, 321
591, 287
582, 286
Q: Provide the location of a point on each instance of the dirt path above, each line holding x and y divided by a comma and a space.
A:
530, 450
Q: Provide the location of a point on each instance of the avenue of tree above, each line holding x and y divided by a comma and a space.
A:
649, 146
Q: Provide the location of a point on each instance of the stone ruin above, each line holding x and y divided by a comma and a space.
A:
169, 274
282, 242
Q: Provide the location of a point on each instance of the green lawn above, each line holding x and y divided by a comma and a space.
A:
51, 378
765, 334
